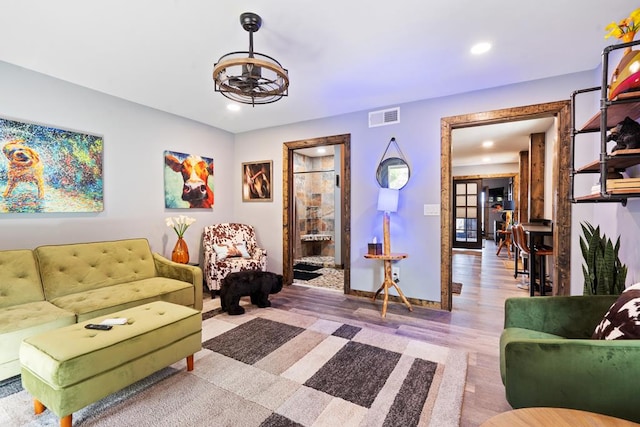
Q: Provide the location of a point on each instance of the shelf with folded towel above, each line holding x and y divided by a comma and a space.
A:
316, 237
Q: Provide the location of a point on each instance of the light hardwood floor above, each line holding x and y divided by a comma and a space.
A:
474, 324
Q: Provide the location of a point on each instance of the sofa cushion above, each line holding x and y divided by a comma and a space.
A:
24, 320
19, 278
621, 321
75, 268
87, 353
102, 301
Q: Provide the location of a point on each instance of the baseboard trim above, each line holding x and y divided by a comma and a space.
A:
414, 301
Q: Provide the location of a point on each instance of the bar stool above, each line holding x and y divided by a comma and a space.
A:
505, 242
519, 254
541, 252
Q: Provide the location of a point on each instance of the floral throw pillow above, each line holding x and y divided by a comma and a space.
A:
231, 251
622, 320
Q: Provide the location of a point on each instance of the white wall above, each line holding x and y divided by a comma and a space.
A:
134, 188
134, 140
490, 169
418, 135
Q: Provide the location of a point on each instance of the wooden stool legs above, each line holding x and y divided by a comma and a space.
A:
67, 421
505, 243
190, 363
39, 408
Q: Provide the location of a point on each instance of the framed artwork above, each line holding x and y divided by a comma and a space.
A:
256, 181
188, 181
46, 169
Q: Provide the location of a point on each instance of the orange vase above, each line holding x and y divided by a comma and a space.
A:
626, 38
180, 252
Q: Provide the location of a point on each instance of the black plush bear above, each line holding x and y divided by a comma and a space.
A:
254, 283
626, 135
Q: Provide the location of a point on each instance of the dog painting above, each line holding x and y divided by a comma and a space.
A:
256, 181
45, 169
24, 167
188, 181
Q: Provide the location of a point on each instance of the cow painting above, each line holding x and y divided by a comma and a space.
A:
195, 173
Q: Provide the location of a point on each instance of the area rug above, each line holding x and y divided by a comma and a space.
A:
305, 275
271, 367
306, 267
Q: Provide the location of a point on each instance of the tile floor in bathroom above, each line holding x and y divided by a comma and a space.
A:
332, 278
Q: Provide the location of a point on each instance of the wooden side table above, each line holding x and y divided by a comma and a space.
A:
557, 417
388, 279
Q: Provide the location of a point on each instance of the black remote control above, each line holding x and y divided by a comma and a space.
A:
98, 326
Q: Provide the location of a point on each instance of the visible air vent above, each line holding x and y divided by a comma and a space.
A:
384, 117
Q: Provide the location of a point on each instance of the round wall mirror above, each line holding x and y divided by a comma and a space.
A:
393, 172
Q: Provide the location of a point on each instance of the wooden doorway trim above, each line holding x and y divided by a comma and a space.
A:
345, 209
561, 204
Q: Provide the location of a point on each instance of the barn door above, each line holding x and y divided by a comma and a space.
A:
467, 215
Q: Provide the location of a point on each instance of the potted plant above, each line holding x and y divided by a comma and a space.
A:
604, 274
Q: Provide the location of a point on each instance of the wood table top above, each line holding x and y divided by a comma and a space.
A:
556, 417
391, 256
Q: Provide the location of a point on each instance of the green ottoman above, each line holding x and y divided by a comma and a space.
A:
69, 368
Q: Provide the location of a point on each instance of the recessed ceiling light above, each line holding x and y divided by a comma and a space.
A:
480, 48
487, 144
486, 159
322, 150
233, 107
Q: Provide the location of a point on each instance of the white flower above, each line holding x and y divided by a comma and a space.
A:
179, 224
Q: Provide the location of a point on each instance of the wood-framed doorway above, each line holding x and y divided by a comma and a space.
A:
287, 202
560, 176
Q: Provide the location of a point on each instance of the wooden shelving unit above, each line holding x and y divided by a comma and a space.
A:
616, 112
618, 160
612, 112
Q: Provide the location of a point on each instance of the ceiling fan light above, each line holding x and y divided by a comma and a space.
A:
250, 77
480, 48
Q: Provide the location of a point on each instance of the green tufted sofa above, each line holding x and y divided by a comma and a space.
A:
55, 286
547, 357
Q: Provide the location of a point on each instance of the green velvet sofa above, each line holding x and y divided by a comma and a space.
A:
547, 357
54, 286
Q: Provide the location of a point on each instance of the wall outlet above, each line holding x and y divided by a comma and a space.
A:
395, 274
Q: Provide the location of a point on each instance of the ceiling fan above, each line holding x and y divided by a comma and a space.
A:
240, 78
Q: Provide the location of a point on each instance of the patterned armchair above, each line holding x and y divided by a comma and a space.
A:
230, 247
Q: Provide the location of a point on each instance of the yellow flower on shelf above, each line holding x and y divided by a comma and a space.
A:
628, 26
180, 224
